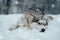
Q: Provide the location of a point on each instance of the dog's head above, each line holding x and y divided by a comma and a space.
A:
43, 18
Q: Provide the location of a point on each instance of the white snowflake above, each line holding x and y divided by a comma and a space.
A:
52, 5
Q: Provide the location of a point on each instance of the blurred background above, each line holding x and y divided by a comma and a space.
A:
11, 12
20, 6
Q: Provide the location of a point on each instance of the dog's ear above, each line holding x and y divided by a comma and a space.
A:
45, 11
50, 18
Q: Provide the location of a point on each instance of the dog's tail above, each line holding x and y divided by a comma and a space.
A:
13, 27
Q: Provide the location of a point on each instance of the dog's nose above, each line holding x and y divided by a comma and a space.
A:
42, 30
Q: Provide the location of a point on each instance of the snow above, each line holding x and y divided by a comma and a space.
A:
51, 33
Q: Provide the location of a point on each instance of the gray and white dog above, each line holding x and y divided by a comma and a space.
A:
36, 15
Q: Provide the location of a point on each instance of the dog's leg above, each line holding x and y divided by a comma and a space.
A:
27, 21
30, 18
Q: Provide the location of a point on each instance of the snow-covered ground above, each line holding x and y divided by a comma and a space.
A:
52, 33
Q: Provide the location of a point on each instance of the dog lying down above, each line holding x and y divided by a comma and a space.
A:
37, 16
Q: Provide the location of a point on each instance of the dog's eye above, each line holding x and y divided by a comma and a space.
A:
39, 23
